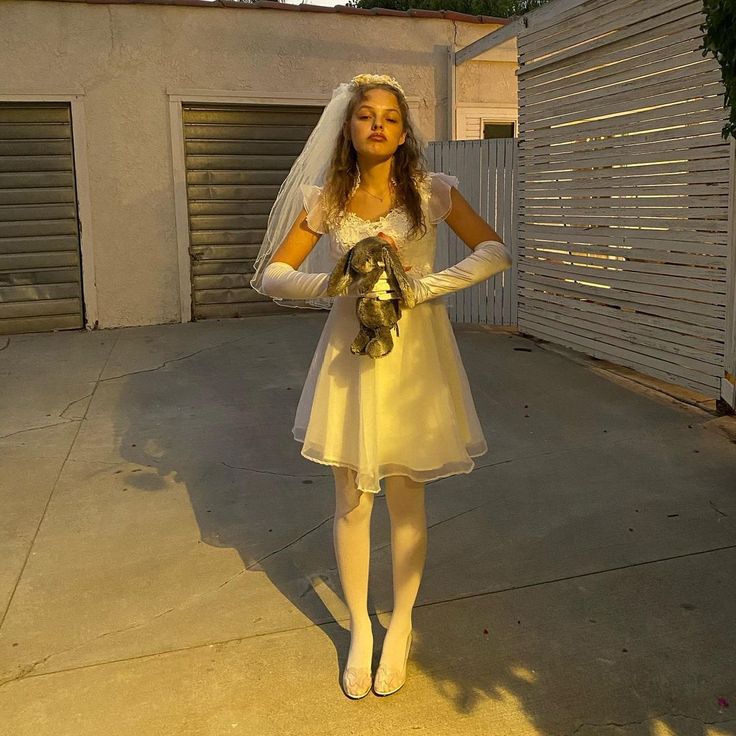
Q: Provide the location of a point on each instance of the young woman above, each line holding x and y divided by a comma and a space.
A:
407, 417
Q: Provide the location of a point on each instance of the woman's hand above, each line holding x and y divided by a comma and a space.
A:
382, 289
392, 243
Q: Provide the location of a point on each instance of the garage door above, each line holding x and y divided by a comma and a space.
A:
40, 274
236, 159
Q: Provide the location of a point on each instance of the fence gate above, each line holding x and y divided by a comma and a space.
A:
485, 169
624, 188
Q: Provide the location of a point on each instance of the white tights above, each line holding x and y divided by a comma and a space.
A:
351, 536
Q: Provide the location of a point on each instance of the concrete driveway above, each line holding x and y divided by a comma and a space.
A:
168, 564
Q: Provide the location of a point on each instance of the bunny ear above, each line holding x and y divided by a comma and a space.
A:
395, 271
341, 276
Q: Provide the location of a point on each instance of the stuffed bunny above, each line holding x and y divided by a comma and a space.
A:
364, 264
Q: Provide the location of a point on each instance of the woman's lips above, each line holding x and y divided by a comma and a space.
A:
377, 138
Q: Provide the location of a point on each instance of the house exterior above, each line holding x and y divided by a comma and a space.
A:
145, 141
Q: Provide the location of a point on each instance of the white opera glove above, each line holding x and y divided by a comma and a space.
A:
283, 280
488, 258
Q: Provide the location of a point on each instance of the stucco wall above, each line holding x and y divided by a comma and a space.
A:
491, 76
124, 60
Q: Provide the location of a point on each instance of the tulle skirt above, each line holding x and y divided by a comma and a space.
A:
410, 412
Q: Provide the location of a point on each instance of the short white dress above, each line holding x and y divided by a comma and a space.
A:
410, 412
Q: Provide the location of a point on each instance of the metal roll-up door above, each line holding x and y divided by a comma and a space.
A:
236, 159
40, 273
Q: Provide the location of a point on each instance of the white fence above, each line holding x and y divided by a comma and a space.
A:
625, 251
486, 172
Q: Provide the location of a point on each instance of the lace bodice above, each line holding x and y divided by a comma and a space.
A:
417, 252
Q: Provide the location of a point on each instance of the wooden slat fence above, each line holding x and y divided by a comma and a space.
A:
624, 187
485, 170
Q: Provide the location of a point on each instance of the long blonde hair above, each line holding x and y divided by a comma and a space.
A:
408, 168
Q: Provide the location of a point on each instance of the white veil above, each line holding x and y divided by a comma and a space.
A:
309, 168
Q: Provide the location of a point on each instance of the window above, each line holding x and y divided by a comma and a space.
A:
498, 130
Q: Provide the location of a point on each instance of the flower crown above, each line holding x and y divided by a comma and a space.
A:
376, 79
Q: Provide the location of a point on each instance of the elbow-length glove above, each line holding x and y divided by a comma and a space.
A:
283, 280
488, 258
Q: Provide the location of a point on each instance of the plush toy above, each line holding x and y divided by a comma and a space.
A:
372, 263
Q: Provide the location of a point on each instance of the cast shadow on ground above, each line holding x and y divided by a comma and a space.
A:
584, 650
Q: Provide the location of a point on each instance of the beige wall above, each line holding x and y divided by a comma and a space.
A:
124, 67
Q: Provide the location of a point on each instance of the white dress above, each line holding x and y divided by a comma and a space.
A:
410, 412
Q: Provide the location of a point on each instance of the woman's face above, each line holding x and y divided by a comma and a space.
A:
377, 115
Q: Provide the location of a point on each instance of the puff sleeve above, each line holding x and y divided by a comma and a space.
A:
312, 195
440, 203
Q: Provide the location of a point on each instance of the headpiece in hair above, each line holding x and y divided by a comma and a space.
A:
376, 79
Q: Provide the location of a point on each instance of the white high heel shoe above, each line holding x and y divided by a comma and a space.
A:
385, 681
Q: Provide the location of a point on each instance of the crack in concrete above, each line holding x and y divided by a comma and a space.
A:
7, 342
192, 647
432, 526
715, 508
616, 724
251, 565
275, 472
74, 401
180, 358
28, 670
122, 375
625, 437
35, 429
21, 572
461, 513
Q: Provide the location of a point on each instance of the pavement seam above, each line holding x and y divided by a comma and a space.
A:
62, 466
564, 578
28, 670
